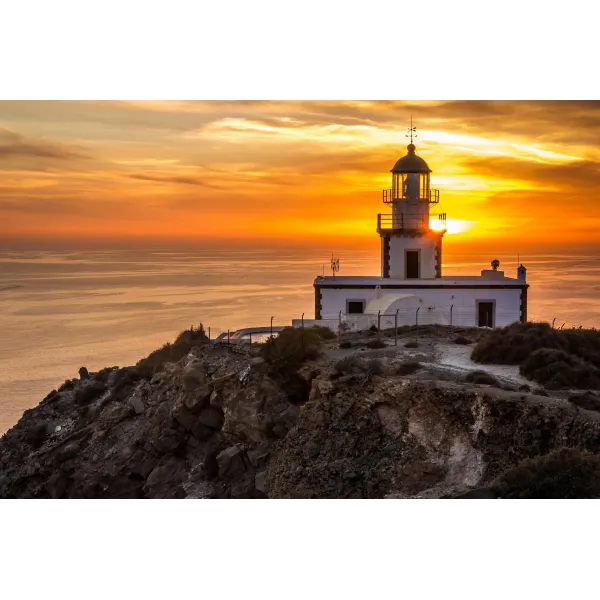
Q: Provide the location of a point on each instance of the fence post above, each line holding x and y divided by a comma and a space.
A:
553, 322
228, 341
378, 324
250, 340
302, 333
451, 307
396, 328
417, 323
209, 334
340, 328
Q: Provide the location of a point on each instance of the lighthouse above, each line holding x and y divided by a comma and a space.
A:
411, 288
410, 247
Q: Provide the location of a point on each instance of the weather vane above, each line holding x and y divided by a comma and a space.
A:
412, 131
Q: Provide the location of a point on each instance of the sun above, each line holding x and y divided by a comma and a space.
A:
452, 225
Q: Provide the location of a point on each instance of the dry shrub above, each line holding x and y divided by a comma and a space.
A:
375, 344
563, 473
556, 369
481, 377
411, 345
513, 344
323, 332
346, 345
462, 340
347, 365
588, 401
408, 368
171, 353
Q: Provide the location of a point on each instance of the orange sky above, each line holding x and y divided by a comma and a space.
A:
511, 174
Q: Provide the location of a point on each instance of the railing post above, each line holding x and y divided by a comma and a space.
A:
451, 307
302, 333
396, 328
228, 341
378, 324
340, 328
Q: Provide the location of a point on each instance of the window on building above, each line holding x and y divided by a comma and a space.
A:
355, 307
412, 264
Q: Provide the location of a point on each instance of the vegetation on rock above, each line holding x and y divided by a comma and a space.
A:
553, 357
563, 473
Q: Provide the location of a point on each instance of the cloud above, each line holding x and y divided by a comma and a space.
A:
13, 144
178, 179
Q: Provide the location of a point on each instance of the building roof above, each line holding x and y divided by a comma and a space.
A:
447, 281
411, 163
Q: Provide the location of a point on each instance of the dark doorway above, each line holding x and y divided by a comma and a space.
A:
412, 264
485, 314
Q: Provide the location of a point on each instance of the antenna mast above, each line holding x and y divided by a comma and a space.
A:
335, 265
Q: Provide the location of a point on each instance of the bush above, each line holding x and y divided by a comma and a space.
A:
347, 365
481, 377
513, 344
411, 345
588, 401
462, 340
172, 353
557, 369
409, 367
540, 392
88, 392
373, 366
375, 344
563, 473
324, 332
345, 344
292, 347
373, 328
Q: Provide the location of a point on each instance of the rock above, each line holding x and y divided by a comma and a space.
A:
69, 451
199, 398
83, 373
137, 404
478, 496
212, 417
231, 463
57, 484
259, 364
259, 481
193, 376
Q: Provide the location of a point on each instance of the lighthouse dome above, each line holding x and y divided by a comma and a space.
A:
411, 163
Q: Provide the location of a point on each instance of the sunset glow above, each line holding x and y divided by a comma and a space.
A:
276, 171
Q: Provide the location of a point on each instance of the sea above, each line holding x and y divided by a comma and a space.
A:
62, 309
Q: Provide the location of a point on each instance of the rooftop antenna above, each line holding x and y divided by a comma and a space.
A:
412, 131
335, 265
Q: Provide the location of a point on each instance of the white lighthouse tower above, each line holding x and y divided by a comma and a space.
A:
411, 288
410, 249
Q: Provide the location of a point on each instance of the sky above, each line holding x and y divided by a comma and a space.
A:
511, 174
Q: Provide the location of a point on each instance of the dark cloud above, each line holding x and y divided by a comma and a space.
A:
583, 174
13, 144
174, 179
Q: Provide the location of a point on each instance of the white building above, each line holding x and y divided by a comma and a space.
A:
412, 288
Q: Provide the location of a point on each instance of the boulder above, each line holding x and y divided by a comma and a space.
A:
193, 376
83, 373
212, 417
199, 398
231, 463
137, 404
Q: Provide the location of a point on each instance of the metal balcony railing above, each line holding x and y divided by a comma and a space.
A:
433, 196
407, 221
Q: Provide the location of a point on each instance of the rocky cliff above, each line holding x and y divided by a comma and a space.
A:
218, 425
